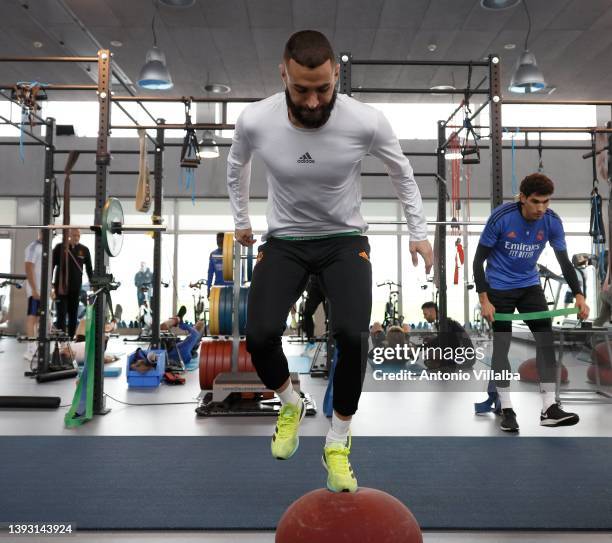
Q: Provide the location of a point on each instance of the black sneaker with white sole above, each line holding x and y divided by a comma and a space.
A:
508, 422
555, 416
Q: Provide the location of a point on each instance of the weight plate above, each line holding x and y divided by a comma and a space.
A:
112, 217
222, 310
242, 309
205, 355
229, 303
244, 358
224, 360
250, 259
214, 310
228, 256
207, 364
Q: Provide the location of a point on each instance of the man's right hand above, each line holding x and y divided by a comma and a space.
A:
245, 237
487, 310
36, 295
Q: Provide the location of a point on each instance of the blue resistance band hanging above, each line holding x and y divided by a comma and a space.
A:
190, 155
597, 230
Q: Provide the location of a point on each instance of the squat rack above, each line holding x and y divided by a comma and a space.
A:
103, 157
103, 91
493, 98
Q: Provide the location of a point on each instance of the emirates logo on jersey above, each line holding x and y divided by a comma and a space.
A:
540, 235
511, 234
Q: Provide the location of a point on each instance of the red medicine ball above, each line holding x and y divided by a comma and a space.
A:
365, 516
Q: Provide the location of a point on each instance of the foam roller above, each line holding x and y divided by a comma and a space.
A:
30, 402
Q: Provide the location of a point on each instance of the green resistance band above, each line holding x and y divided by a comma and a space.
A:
536, 314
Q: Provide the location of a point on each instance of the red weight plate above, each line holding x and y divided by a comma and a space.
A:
529, 372
204, 350
224, 364
207, 364
212, 367
219, 361
605, 375
244, 358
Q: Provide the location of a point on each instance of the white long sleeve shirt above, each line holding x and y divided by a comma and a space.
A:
314, 174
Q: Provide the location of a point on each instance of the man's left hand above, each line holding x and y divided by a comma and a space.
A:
583, 308
423, 248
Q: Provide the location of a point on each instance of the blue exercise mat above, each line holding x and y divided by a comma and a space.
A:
449, 483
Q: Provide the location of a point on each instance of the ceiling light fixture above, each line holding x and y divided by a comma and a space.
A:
217, 88
432, 47
154, 74
527, 77
498, 4
510, 46
208, 146
116, 43
441, 89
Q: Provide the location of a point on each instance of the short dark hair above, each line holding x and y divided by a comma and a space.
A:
430, 305
309, 48
537, 183
220, 236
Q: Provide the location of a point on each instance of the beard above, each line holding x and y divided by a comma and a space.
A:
311, 118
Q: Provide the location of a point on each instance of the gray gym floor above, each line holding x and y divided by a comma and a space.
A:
401, 410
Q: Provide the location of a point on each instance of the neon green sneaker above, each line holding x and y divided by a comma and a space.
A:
340, 476
285, 440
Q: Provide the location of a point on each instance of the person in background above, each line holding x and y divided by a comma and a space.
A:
33, 262
67, 300
142, 280
455, 337
215, 265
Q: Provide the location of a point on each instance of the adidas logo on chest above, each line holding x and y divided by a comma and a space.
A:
305, 159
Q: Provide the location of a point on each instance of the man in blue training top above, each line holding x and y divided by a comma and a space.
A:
215, 265
513, 239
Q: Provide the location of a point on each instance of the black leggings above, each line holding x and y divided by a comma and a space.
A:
343, 267
526, 300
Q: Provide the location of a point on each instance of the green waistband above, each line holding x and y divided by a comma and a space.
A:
536, 314
321, 236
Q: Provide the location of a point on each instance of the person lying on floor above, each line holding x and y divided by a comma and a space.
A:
183, 350
76, 349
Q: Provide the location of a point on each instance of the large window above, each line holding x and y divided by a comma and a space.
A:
137, 248
12, 113
84, 116
542, 115
215, 215
418, 121
193, 258
198, 224
6, 267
